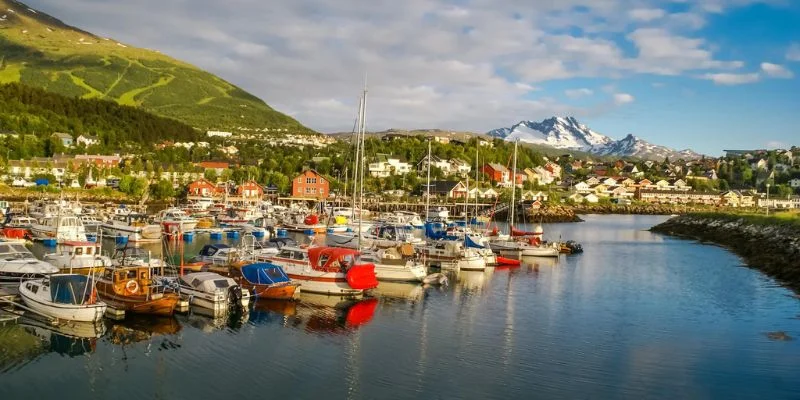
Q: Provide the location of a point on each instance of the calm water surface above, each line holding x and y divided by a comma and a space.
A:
638, 315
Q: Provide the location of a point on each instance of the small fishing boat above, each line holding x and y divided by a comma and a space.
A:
90, 224
17, 262
380, 236
265, 280
217, 254
17, 226
79, 258
395, 264
213, 291
451, 254
327, 270
61, 227
133, 289
136, 227
69, 297
174, 221
299, 223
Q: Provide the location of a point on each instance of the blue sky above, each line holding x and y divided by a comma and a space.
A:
703, 74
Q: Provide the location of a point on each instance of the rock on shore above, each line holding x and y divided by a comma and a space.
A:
771, 247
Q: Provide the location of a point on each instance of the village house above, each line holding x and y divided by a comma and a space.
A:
386, 165
554, 170
676, 197
203, 188
250, 189
310, 184
446, 189
591, 198
592, 180
609, 182
497, 173
459, 167
100, 161
217, 166
65, 138
87, 140
219, 134
576, 198
583, 188
436, 162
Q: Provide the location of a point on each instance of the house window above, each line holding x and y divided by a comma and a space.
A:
311, 190
311, 180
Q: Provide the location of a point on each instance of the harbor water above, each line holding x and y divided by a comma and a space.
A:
637, 315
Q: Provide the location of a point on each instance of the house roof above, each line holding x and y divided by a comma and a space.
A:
62, 135
497, 167
442, 186
214, 164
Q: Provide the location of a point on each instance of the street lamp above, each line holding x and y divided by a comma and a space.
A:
768, 199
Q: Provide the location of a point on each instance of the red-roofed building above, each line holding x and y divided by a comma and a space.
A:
217, 166
310, 184
203, 187
250, 189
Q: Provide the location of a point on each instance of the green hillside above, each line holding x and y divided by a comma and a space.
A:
41, 51
34, 114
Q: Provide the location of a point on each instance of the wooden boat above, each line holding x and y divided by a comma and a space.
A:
264, 280
69, 297
131, 288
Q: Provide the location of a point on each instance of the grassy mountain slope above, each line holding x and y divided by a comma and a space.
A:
41, 51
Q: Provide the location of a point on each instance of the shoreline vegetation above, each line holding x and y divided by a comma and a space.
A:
770, 244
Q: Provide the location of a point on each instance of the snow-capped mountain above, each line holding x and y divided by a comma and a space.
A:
568, 133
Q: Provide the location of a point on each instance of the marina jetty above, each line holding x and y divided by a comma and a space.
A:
770, 244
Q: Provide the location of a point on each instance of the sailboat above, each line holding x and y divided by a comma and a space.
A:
517, 249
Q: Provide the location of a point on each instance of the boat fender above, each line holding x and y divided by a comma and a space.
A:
132, 287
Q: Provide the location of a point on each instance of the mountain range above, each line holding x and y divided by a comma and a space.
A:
568, 134
41, 51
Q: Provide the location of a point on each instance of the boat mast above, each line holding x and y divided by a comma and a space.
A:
358, 148
428, 185
477, 188
361, 161
513, 184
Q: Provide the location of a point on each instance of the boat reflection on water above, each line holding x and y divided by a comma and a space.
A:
207, 321
316, 313
536, 262
28, 338
140, 328
473, 281
402, 291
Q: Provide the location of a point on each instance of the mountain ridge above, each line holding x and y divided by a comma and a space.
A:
42, 51
569, 134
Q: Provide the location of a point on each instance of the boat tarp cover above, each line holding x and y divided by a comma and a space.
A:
431, 232
471, 243
211, 249
70, 289
264, 274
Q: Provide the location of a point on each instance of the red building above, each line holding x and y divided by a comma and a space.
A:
202, 187
250, 189
310, 184
497, 173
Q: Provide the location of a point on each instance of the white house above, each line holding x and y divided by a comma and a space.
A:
87, 140
591, 198
576, 197
460, 167
387, 165
795, 183
583, 187
437, 162
219, 134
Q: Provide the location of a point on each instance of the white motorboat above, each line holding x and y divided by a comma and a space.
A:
393, 264
381, 236
213, 291
135, 227
218, 254
62, 228
175, 221
451, 254
69, 297
516, 249
327, 270
240, 216
79, 258
17, 262
91, 225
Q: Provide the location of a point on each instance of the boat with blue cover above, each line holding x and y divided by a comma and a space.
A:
69, 297
264, 280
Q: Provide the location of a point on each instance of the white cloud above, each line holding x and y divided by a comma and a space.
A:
623, 98
578, 93
431, 63
776, 71
776, 144
732, 79
793, 53
646, 14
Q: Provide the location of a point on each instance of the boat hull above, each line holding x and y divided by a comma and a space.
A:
400, 273
282, 291
70, 312
163, 304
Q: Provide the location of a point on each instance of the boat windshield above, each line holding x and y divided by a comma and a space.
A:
15, 250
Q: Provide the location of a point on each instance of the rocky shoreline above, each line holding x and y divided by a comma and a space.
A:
768, 245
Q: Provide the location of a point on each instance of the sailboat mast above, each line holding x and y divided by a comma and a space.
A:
428, 185
361, 161
358, 148
477, 171
513, 185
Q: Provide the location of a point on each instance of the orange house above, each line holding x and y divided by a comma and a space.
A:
250, 189
202, 187
310, 184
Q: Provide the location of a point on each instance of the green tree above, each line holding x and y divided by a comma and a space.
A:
162, 190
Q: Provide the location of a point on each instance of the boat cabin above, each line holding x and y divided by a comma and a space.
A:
20, 221
130, 280
131, 219
78, 248
72, 289
11, 251
208, 282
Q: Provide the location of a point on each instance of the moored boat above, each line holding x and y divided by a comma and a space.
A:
61, 227
69, 297
396, 264
17, 262
213, 291
79, 258
265, 280
132, 288
174, 221
135, 227
327, 270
